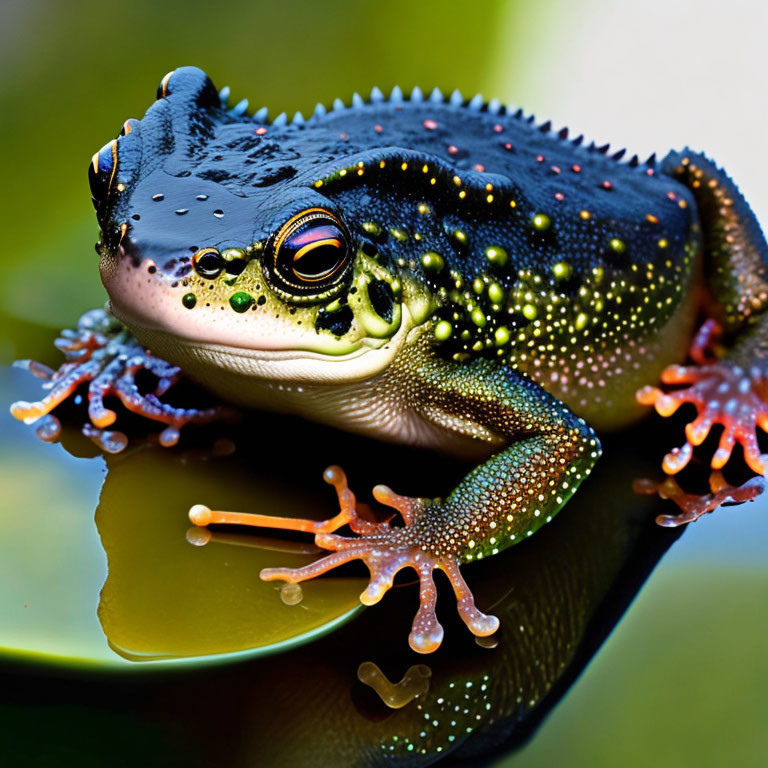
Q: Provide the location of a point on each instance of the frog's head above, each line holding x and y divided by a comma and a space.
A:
219, 248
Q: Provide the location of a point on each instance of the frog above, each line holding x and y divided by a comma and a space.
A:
423, 269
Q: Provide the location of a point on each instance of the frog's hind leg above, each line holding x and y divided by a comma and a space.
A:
728, 384
722, 393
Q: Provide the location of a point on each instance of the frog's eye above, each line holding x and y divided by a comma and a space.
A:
101, 172
208, 262
310, 253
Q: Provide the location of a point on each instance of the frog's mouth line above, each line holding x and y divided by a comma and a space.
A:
207, 360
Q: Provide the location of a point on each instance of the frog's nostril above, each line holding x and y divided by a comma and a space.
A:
102, 171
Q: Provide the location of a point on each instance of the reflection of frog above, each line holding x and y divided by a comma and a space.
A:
424, 270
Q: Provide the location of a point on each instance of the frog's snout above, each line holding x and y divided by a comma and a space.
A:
111, 172
114, 169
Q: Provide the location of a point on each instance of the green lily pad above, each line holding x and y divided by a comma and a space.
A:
131, 587
167, 597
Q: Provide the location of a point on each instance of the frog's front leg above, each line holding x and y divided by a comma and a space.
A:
547, 452
103, 354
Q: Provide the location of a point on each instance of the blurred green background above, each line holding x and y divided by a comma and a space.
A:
683, 680
73, 72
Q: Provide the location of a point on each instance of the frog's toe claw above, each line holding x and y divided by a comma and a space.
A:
723, 394
693, 505
103, 354
384, 549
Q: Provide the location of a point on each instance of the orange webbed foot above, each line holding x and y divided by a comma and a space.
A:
722, 393
102, 355
384, 549
693, 505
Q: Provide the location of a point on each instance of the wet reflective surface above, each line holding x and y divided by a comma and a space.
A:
155, 591
121, 620
682, 679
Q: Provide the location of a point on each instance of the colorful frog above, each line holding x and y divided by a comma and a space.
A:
428, 270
